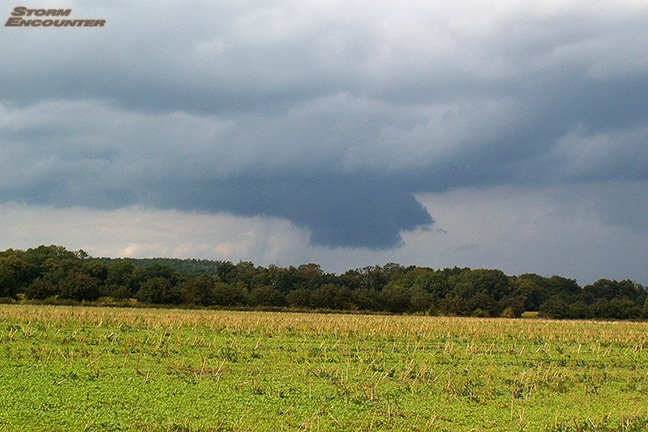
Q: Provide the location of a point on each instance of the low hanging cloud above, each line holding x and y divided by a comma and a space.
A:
329, 115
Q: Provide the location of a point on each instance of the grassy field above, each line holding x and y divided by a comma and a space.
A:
76, 368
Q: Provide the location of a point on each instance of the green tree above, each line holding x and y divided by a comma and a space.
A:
157, 271
266, 296
395, 298
485, 289
310, 274
198, 290
530, 292
224, 294
331, 296
422, 301
366, 299
40, 289
246, 273
555, 307
226, 272
612, 289
616, 308
14, 274
158, 290
121, 281
95, 269
301, 297
79, 286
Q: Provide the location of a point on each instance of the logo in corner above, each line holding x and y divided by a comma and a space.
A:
48, 18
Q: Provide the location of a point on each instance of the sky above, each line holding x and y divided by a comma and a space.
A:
502, 134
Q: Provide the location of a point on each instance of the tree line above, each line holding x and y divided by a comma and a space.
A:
57, 275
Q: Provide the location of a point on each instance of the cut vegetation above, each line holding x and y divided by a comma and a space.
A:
85, 369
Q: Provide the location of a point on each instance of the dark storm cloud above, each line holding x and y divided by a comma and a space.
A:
340, 211
331, 116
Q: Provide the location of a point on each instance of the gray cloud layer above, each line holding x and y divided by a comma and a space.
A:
329, 115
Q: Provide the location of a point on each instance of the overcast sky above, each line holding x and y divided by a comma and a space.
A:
502, 134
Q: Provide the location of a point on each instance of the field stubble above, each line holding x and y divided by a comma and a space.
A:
77, 368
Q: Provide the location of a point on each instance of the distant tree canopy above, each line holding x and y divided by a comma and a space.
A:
51, 273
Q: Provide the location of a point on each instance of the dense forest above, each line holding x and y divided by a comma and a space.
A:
53, 274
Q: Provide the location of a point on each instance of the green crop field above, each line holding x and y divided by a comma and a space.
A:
108, 369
